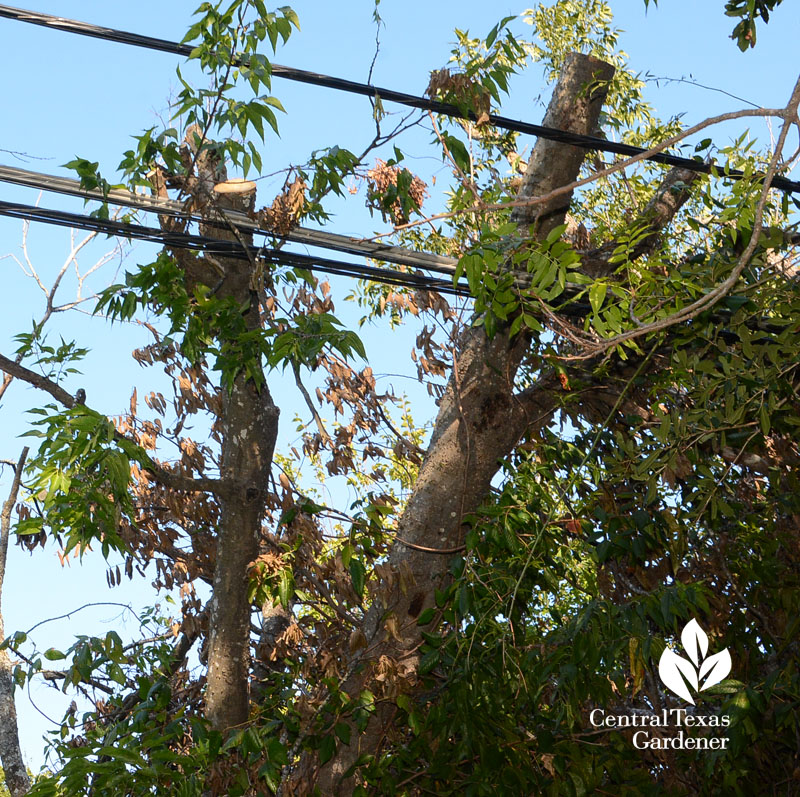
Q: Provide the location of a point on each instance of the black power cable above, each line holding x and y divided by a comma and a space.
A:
233, 249
572, 306
366, 90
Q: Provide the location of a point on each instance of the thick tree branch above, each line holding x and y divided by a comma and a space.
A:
709, 299
250, 429
478, 424
668, 199
37, 380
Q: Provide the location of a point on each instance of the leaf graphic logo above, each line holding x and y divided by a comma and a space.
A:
678, 674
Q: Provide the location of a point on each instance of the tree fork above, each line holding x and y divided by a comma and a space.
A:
477, 425
250, 427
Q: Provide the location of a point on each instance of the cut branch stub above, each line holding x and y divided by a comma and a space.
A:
236, 194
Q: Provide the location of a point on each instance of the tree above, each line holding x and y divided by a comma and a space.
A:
612, 455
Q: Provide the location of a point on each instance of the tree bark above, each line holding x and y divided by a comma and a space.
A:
479, 422
16, 773
250, 427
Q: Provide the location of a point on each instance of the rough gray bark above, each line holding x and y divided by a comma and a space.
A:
479, 421
17, 779
250, 427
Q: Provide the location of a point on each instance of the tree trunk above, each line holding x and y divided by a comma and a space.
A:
479, 422
250, 427
16, 773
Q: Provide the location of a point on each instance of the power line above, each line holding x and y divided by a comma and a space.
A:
170, 207
232, 249
367, 90
572, 307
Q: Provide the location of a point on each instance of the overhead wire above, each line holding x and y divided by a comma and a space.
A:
312, 237
170, 207
594, 143
232, 249
573, 305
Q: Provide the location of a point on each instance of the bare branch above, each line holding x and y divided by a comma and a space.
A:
58, 675
5, 518
18, 371
310, 404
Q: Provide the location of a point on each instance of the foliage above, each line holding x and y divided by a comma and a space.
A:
744, 32
663, 486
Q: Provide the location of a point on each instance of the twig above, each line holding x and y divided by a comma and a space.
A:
467, 182
5, 519
310, 404
410, 443
58, 675
425, 549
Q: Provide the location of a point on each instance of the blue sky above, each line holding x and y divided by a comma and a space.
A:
66, 95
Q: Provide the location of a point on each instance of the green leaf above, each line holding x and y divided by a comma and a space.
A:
286, 587
327, 748
342, 730
358, 575
458, 152
597, 295
764, 419
430, 660
277, 753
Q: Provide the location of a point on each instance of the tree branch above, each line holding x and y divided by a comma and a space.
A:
708, 300
323, 432
174, 481
567, 190
668, 199
478, 423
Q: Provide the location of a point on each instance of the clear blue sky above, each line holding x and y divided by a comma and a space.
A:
66, 95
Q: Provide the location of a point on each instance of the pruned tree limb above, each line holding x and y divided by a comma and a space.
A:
249, 432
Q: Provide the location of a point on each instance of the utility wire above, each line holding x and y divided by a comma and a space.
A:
232, 249
571, 306
171, 207
442, 264
367, 90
